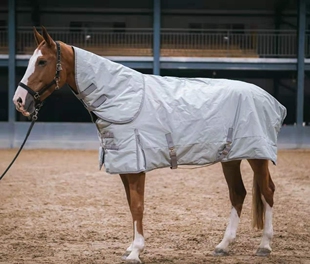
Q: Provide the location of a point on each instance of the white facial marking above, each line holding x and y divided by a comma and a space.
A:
231, 231
137, 246
21, 92
31, 65
268, 228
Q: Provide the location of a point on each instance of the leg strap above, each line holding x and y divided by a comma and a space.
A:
227, 148
172, 153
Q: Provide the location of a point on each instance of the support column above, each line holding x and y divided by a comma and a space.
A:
301, 61
12, 61
156, 37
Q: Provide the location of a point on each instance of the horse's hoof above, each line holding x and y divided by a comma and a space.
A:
263, 252
220, 252
133, 261
126, 254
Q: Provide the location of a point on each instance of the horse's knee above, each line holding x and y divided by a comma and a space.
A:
137, 210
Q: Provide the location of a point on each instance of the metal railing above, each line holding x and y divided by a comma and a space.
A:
174, 42
104, 41
233, 43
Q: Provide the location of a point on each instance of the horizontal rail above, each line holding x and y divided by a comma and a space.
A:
174, 42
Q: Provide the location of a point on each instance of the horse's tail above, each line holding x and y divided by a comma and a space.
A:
258, 212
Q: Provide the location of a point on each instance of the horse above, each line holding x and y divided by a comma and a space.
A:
52, 65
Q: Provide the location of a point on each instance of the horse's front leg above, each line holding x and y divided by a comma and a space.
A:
134, 187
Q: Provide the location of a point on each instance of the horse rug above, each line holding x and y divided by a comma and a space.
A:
147, 122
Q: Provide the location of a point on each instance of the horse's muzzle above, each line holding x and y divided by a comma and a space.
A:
24, 102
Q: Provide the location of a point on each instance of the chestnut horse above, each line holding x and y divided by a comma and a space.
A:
40, 80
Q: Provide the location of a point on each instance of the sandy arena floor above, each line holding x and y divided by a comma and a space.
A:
56, 207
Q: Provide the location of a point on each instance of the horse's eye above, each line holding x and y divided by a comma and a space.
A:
41, 62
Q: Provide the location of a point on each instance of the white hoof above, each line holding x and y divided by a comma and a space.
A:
133, 261
263, 252
133, 258
220, 252
126, 254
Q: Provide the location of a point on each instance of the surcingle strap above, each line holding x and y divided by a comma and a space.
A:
172, 153
86, 92
108, 134
111, 147
227, 148
99, 101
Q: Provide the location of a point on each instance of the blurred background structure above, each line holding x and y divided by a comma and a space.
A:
263, 42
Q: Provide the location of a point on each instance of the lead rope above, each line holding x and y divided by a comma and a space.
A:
34, 119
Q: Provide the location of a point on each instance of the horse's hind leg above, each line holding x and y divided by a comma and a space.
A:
263, 191
237, 194
134, 187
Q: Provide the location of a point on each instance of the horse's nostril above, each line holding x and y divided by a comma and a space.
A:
19, 100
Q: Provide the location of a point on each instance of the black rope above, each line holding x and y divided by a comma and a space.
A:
20, 149
34, 118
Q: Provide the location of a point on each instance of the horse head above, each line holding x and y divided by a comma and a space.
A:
42, 76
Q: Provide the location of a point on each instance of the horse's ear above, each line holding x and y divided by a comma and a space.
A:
37, 36
48, 39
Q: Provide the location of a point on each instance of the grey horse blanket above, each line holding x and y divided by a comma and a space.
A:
147, 122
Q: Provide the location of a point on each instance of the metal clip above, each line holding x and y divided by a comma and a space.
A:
173, 158
58, 67
35, 115
226, 149
57, 83
36, 96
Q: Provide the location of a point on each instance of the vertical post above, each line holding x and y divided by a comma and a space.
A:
301, 61
156, 37
12, 62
